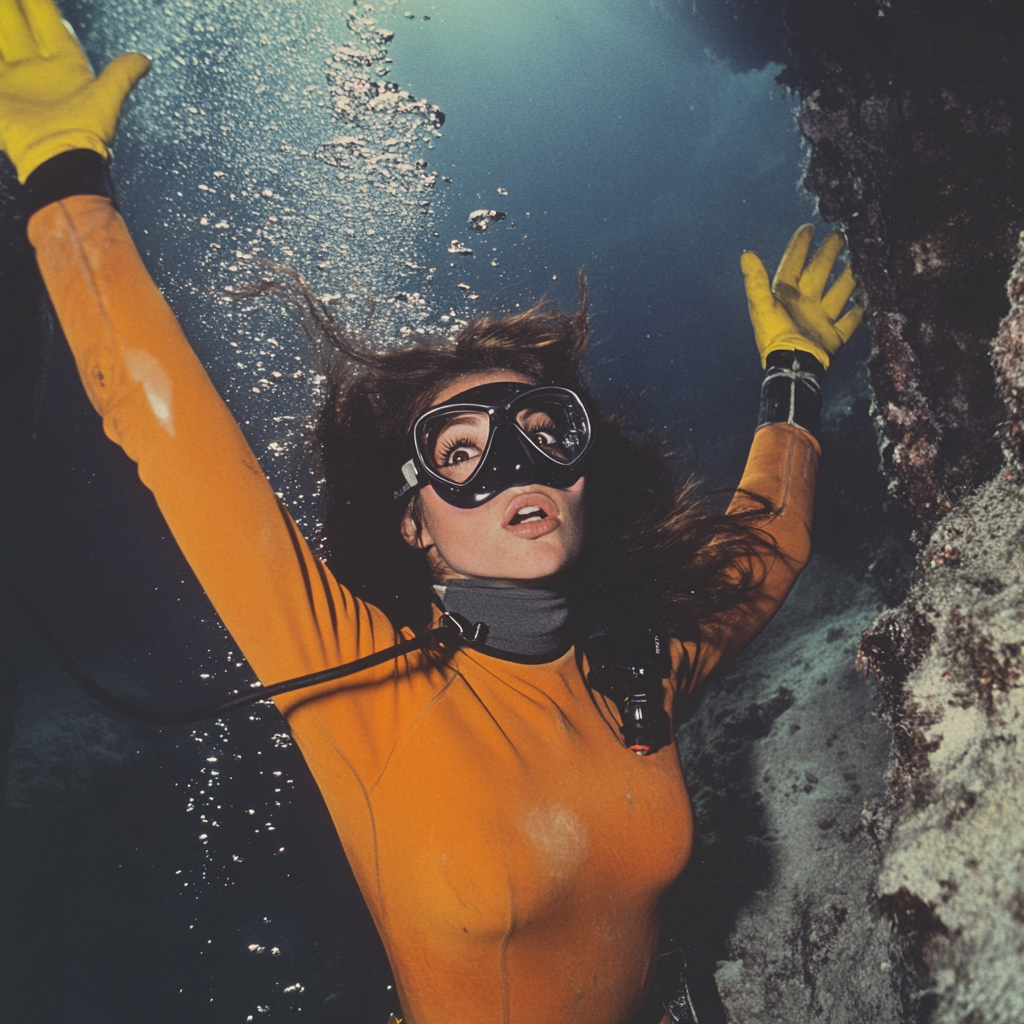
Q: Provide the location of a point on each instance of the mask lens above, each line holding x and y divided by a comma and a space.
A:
452, 443
556, 424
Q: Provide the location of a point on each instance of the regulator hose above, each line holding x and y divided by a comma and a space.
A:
454, 631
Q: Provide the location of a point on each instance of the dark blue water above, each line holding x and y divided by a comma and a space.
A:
142, 886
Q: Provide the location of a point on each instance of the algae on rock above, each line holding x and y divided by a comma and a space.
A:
953, 870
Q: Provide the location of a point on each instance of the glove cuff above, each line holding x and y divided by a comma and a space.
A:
76, 172
49, 146
789, 342
791, 392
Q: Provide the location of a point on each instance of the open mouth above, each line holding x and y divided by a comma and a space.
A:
530, 514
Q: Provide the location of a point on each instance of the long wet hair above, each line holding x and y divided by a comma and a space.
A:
655, 551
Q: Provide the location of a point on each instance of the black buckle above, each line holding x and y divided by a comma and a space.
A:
466, 631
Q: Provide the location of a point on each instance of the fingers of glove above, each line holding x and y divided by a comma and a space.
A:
755, 281
118, 79
835, 298
816, 274
16, 40
792, 263
48, 27
849, 323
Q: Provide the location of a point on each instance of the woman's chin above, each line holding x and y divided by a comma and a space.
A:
537, 570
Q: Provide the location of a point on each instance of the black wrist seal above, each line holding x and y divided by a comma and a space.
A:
791, 392
76, 172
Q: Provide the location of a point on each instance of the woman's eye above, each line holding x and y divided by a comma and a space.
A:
540, 429
451, 453
538, 424
458, 455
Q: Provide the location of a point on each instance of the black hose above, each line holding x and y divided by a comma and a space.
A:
453, 631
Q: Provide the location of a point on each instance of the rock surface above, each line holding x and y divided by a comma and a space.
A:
914, 112
950, 666
785, 761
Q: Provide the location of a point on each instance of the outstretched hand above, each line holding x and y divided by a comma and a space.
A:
50, 101
795, 311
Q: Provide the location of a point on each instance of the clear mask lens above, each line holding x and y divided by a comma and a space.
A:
554, 425
453, 443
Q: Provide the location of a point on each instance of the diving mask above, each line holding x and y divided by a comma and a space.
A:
490, 438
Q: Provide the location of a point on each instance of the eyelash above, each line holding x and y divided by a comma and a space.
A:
450, 446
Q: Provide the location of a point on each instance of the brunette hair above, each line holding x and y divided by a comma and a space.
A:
653, 546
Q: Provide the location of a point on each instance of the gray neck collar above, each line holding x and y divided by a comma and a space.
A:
523, 622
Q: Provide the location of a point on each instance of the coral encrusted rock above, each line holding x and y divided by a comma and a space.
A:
949, 661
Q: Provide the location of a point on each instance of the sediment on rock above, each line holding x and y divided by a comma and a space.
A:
1008, 360
786, 768
952, 876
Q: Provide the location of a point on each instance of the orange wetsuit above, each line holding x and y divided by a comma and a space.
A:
512, 851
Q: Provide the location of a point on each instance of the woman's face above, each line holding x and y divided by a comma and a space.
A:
485, 542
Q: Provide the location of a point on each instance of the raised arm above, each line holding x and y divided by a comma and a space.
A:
56, 123
798, 327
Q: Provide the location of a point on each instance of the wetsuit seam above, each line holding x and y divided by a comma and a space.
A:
419, 714
787, 476
523, 659
500, 656
796, 426
297, 547
81, 252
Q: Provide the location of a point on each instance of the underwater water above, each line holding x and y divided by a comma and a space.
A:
191, 874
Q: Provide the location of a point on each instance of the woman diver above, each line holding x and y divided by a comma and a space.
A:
511, 845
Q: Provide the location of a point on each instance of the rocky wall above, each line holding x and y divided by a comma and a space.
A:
949, 664
914, 115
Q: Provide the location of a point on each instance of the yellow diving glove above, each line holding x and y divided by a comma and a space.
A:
50, 101
795, 311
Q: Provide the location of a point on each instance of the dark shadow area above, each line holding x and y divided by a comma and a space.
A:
22, 316
856, 520
95, 889
732, 856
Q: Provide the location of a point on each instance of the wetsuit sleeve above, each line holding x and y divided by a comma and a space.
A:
782, 468
277, 599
